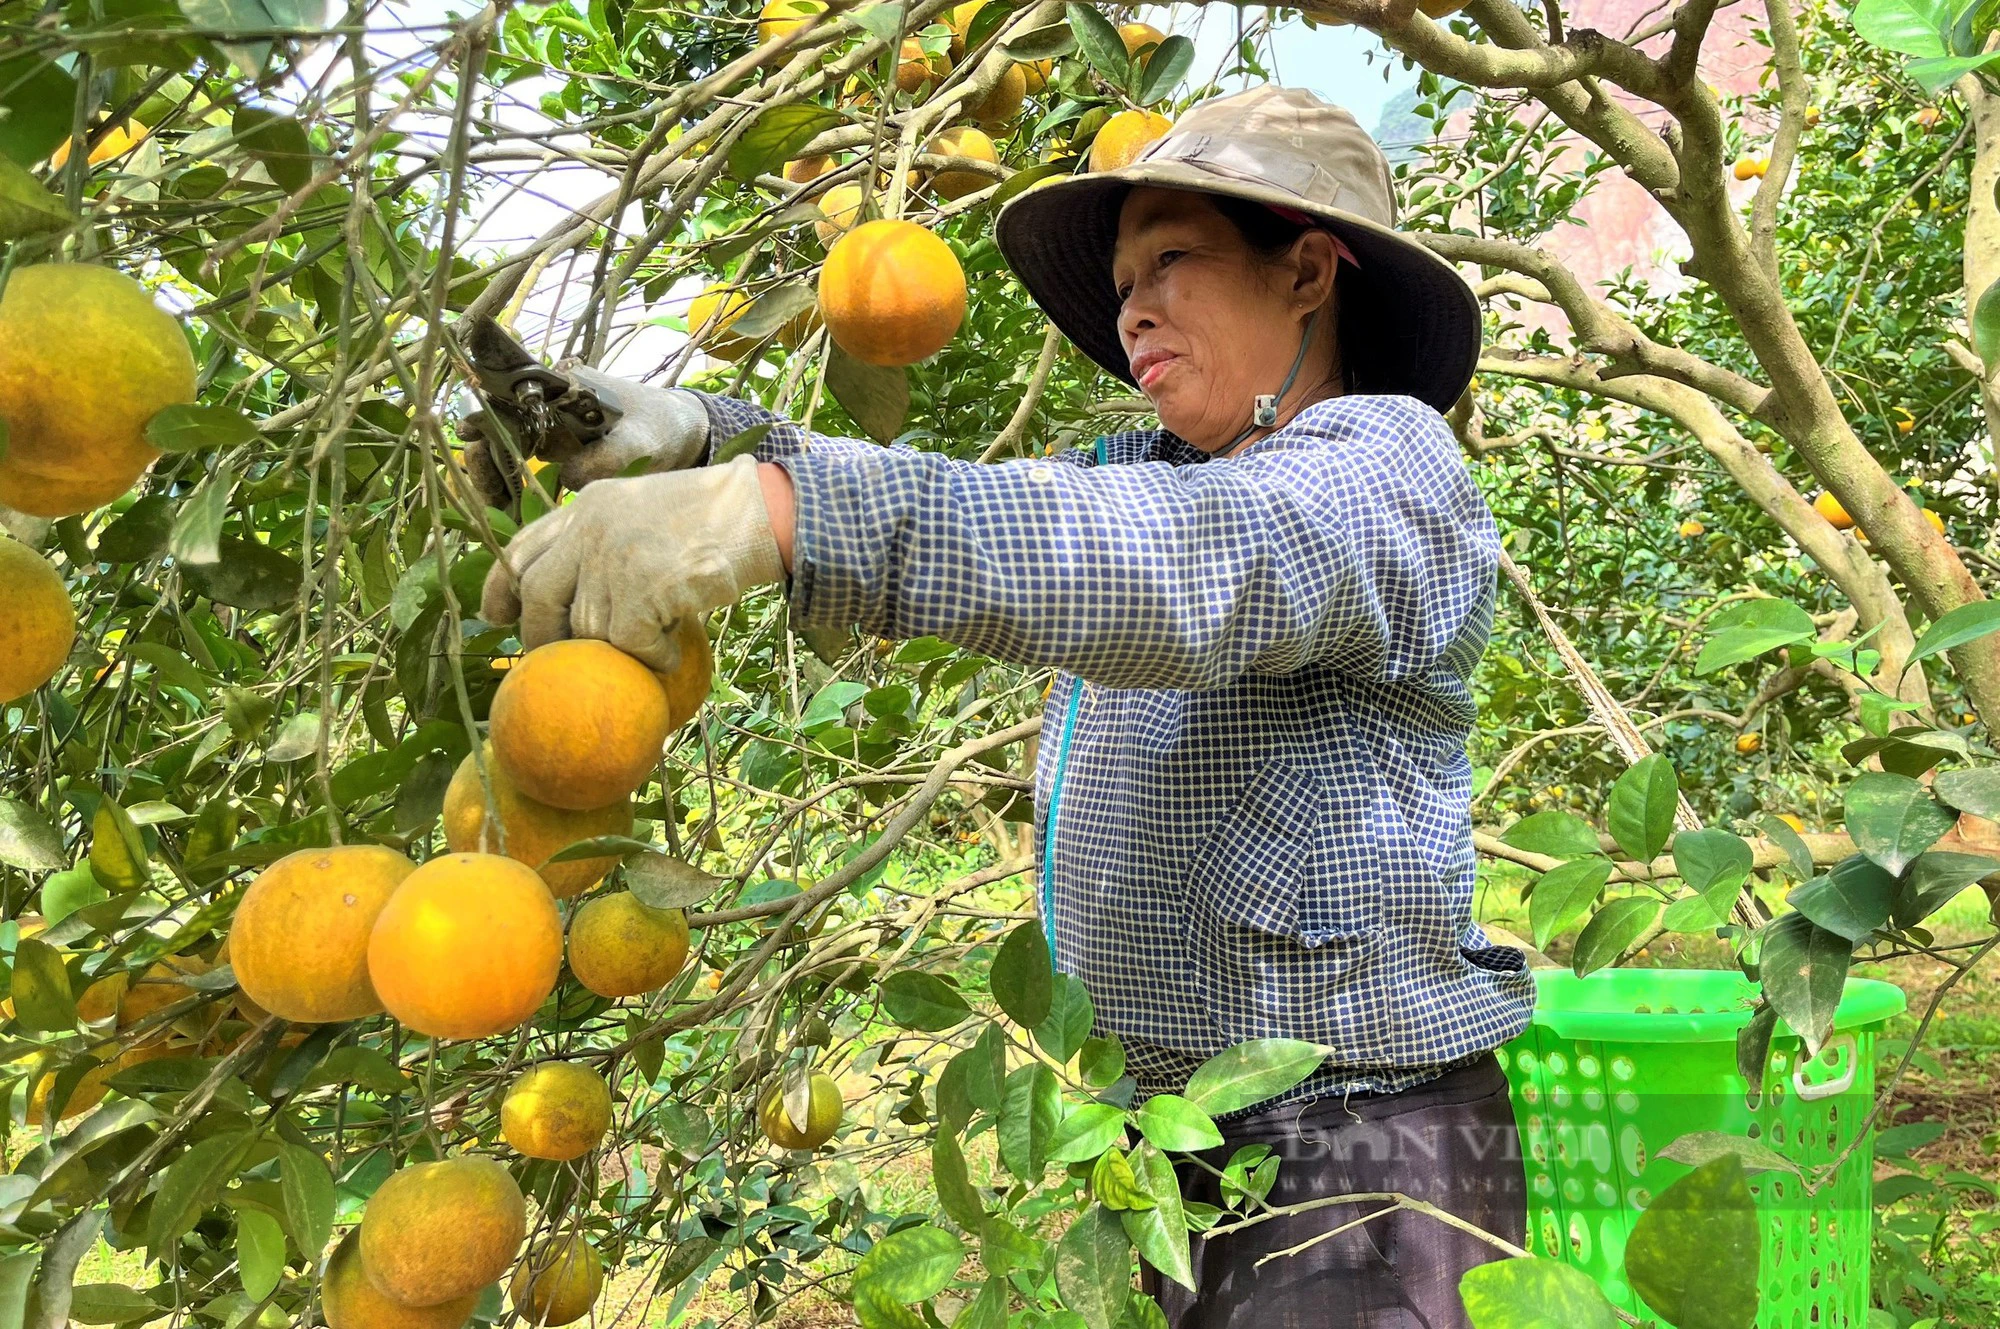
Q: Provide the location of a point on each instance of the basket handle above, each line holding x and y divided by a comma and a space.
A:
1840, 1083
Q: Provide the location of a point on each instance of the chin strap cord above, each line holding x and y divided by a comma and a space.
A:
1264, 407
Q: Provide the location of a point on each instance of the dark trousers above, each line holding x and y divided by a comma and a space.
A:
1451, 1142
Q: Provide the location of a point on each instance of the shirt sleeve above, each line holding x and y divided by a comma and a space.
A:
1353, 537
729, 417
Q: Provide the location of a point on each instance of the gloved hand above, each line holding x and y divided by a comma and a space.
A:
666, 427
626, 559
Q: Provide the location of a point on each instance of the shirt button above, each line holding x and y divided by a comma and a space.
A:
1041, 474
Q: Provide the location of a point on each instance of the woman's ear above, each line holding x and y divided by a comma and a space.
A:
1314, 264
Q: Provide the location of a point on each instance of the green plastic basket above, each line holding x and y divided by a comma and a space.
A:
1617, 1066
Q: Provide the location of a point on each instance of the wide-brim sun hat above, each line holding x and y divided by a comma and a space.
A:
1288, 150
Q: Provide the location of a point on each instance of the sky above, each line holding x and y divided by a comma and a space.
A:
1334, 62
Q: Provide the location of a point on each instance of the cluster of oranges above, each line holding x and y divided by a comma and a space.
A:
891, 292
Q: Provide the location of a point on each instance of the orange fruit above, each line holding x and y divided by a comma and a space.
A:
90, 1090
101, 999
469, 945
1691, 528
1827, 506
1925, 116
891, 293
348, 1300
842, 206
1439, 9
962, 142
557, 1281
579, 724
781, 17
1750, 168
299, 942
1749, 743
1003, 103
1937, 522
1138, 36
534, 831
804, 170
916, 67
434, 1232
37, 620
556, 1110
1037, 74
1792, 822
121, 140
1124, 136
709, 317
86, 359
959, 19
155, 990
822, 1117
687, 684
619, 947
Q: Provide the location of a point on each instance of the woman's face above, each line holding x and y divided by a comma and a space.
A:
1208, 323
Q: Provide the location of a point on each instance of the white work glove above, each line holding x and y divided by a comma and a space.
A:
626, 559
667, 428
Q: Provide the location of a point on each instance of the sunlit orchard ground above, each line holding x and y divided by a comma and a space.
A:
1953, 1085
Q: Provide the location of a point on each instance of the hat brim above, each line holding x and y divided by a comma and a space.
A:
1424, 321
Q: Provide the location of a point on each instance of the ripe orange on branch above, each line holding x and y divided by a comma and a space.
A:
37, 620
1004, 102
710, 315
534, 831
842, 206
1827, 506
86, 359
299, 942
557, 1281
781, 17
916, 66
1124, 136
619, 947
469, 945
971, 144
891, 293
557, 1110
434, 1232
822, 1115
349, 1301
1139, 36
579, 724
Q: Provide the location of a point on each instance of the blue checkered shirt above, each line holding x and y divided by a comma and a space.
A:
1251, 790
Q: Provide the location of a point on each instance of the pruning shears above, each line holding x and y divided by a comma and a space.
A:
548, 414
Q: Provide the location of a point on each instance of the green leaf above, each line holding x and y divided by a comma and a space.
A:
1022, 980
1612, 931
1935, 75
1030, 1111
1087, 1132
875, 396
27, 839
876, 1309
247, 575
190, 1184
111, 1303
603, 846
140, 534
279, 143
306, 1187
1555, 833
776, 136
916, 1000
1019, 182
1165, 68
1094, 1267
1932, 882
661, 881
1803, 968
1911, 27
26, 208
1693, 1253
1047, 43
260, 1252
1142, 1312
1976, 791
1986, 326
1964, 624
1798, 855
1004, 1248
63, 893
298, 737
1565, 894
1097, 37
986, 1068
1248, 1073
1640, 813
1747, 631
1530, 1293
1115, 1185
829, 704
364, 1068
40, 988
1070, 1018
1753, 1046
1852, 899
956, 1196
117, 850
1706, 857
38, 98
988, 1310
17, 1283
912, 1264
773, 310
197, 532
1102, 1060
1893, 818
1700, 1147
737, 444
1161, 1232
1172, 1122
191, 427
